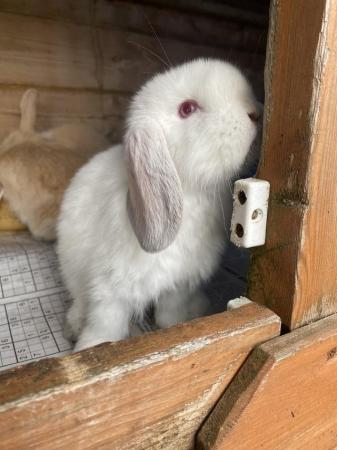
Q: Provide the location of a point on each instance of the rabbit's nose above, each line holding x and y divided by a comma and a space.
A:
255, 116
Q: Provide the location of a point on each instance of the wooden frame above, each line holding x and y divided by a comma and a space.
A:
284, 396
148, 392
294, 273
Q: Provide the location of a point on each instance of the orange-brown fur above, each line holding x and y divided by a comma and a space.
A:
35, 168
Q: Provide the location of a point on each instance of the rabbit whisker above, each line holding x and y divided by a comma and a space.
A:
230, 185
222, 210
151, 52
157, 38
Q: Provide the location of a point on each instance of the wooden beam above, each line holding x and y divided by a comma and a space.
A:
126, 53
284, 396
55, 54
253, 12
202, 29
294, 273
62, 10
148, 392
237, 11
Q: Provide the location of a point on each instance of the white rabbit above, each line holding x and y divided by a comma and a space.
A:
145, 221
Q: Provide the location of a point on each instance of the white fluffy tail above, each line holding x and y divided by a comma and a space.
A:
28, 110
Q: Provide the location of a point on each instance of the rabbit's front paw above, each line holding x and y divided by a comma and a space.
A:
73, 324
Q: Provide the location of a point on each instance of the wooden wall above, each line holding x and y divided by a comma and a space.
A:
86, 57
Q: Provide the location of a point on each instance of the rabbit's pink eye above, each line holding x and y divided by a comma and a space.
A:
187, 108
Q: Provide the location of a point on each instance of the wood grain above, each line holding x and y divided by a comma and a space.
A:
294, 274
129, 53
149, 392
41, 52
284, 396
248, 12
63, 10
207, 30
48, 53
102, 111
171, 21
83, 61
237, 10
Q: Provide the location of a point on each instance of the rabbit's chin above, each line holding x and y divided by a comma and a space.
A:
217, 171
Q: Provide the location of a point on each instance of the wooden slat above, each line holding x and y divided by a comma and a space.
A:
148, 392
129, 60
64, 10
39, 52
46, 53
81, 11
219, 8
284, 396
294, 274
185, 26
49, 54
104, 111
131, 16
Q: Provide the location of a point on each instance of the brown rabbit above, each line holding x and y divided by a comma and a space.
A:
36, 168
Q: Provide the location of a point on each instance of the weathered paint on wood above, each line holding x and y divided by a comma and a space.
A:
294, 273
149, 392
283, 397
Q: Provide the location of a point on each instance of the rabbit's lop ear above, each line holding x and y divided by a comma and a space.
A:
155, 201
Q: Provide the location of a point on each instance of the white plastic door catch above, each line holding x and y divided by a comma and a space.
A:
249, 219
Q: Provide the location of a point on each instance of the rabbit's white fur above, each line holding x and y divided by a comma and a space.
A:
110, 276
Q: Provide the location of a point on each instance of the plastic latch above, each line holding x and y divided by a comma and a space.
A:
249, 219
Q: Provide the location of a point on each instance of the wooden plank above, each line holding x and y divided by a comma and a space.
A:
148, 392
38, 52
284, 396
129, 59
184, 26
220, 8
46, 53
63, 10
104, 111
294, 274
111, 127
66, 103
132, 16
80, 11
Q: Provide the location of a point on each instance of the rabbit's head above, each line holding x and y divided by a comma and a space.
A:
189, 128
